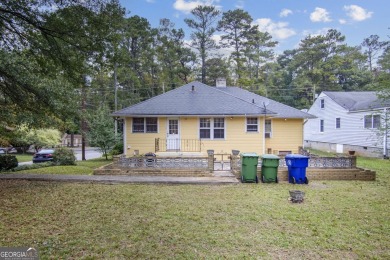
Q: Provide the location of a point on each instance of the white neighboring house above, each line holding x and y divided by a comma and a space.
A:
349, 121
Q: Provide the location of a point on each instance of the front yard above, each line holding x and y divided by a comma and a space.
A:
338, 220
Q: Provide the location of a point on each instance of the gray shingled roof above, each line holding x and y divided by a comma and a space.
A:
281, 110
355, 101
206, 100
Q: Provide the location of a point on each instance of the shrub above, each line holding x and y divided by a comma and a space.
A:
117, 149
64, 156
8, 162
31, 166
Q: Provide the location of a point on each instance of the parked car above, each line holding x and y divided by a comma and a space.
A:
6, 150
45, 155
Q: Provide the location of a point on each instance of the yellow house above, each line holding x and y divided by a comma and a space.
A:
197, 117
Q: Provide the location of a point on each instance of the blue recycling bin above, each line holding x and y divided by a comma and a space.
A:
297, 165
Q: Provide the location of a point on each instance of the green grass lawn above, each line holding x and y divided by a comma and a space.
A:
338, 220
82, 168
24, 157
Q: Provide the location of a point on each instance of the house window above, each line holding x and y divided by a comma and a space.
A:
219, 128
252, 124
338, 122
322, 103
322, 125
212, 128
372, 121
205, 128
145, 125
268, 128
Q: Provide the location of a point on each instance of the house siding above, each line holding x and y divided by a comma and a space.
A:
287, 135
351, 132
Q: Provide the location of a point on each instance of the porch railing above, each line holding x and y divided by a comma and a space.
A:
182, 145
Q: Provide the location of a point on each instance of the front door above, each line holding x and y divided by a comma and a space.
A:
173, 135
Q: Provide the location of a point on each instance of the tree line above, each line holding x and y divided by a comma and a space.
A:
62, 60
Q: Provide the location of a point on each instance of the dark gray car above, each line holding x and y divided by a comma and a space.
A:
45, 155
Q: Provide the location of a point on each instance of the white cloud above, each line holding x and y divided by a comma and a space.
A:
285, 12
357, 13
186, 6
322, 31
320, 15
150, 1
240, 4
342, 21
278, 30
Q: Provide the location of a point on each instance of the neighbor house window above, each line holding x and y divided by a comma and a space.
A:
322, 103
145, 125
212, 128
252, 124
338, 122
372, 121
322, 125
268, 128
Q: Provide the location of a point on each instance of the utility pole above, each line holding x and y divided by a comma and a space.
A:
86, 83
116, 96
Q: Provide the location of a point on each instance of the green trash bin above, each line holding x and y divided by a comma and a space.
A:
269, 168
249, 163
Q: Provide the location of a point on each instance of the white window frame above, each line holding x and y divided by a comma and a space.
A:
339, 122
212, 128
145, 125
322, 103
268, 122
372, 122
322, 125
247, 124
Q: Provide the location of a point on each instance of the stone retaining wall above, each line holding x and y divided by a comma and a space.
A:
327, 174
112, 169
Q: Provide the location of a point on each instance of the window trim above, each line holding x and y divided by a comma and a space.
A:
338, 122
265, 128
322, 103
212, 128
145, 125
322, 125
372, 121
257, 124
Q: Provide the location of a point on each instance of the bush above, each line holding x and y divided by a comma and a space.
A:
64, 156
31, 166
8, 162
117, 149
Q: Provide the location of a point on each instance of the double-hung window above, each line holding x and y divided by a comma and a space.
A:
205, 128
212, 128
372, 121
268, 128
145, 125
322, 103
252, 124
322, 125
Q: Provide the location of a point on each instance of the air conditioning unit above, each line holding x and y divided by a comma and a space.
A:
267, 135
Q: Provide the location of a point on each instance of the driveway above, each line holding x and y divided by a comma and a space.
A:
90, 153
